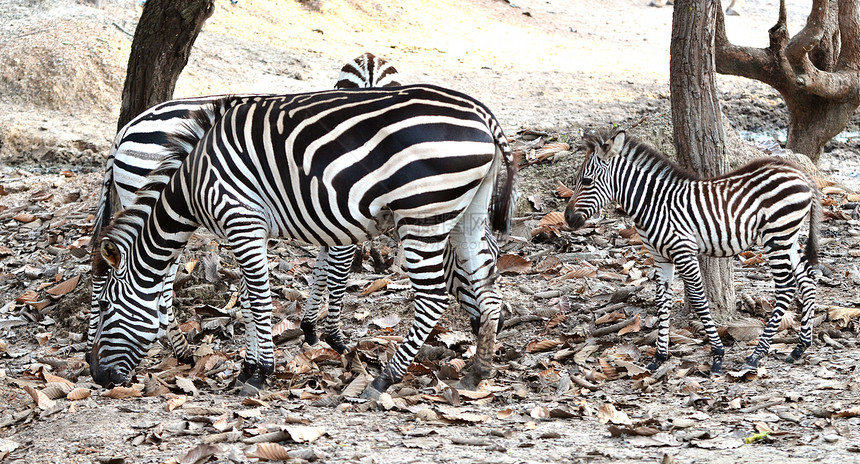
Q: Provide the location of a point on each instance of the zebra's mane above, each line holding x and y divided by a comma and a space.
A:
641, 154
128, 223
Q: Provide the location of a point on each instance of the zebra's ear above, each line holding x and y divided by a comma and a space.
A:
110, 252
612, 146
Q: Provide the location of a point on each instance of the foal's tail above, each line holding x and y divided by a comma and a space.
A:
814, 227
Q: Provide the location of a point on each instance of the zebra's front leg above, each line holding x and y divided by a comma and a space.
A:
311, 314
424, 267
665, 275
256, 303
337, 269
688, 269
181, 348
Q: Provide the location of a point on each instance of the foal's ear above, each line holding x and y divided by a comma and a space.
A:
110, 252
612, 147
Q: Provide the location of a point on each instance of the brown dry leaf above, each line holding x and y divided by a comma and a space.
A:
56, 378
542, 345
304, 433
118, 393
79, 394
852, 197
754, 261
608, 369
56, 390
24, 218
29, 296
283, 326
821, 182
65, 286
607, 413
563, 191
539, 412
41, 399
200, 454
633, 369
269, 452
579, 273
507, 412
357, 386
852, 412
633, 327
513, 264
842, 313
190, 265
610, 317
175, 401
376, 285
465, 417
555, 218
745, 329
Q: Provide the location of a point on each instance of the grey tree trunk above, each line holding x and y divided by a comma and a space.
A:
159, 51
697, 123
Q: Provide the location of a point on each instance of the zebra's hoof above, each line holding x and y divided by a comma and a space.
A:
370, 393
310, 331
336, 343
796, 353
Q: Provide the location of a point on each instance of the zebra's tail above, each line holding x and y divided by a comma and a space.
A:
814, 227
504, 193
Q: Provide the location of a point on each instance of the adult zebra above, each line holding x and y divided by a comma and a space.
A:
329, 168
173, 128
679, 216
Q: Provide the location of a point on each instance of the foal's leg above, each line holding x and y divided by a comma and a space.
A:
807, 298
688, 269
665, 275
337, 269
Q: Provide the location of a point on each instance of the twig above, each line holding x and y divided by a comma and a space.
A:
613, 328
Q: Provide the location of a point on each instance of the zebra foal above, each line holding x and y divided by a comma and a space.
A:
328, 168
679, 216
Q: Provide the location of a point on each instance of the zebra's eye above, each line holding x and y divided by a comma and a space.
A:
586, 181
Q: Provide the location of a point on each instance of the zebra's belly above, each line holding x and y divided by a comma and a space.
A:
326, 231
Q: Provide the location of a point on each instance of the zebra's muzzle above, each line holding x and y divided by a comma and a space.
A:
574, 219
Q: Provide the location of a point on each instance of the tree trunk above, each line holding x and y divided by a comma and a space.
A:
817, 72
160, 49
697, 123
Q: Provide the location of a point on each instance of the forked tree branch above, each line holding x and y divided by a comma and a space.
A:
749, 62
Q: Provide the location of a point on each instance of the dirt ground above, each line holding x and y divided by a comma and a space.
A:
569, 385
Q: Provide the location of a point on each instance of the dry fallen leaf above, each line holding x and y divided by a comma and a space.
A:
842, 313
79, 394
65, 286
29, 296
175, 401
269, 452
24, 218
304, 433
607, 413
513, 264
563, 191
542, 345
200, 454
745, 329
41, 400
852, 412
118, 393
633, 327
376, 285
386, 322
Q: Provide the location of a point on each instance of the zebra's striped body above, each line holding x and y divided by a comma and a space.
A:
174, 127
680, 216
328, 168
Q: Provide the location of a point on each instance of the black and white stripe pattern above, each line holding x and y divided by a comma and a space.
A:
367, 70
679, 216
170, 128
328, 168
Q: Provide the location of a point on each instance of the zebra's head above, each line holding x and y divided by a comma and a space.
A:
129, 319
592, 186
366, 71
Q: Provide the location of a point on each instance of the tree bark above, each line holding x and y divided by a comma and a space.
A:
817, 72
159, 51
697, 123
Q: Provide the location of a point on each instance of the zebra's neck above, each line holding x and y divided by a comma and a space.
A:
645, 180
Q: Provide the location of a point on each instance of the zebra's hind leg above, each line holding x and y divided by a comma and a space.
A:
423, 251
665, 275
311, 314
337, 269
688, 268
807, 298
781, 264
